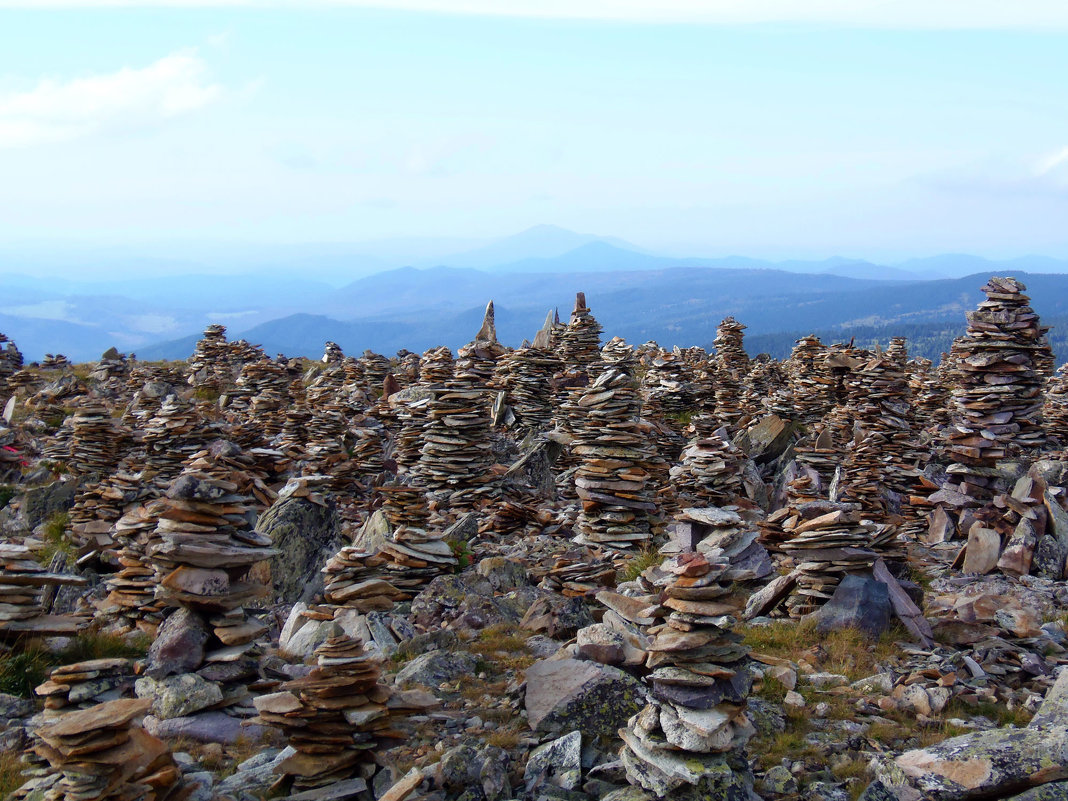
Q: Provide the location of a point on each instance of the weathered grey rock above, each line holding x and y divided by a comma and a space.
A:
308, 637
985, 764
858, 602
207, 727
307, 535
11, 706
178, 696
567, 694
461, 603
254, 775
1054, 791
1053, 713
558, 763
38, 504
778, 781
179, 644
503, 575
601, 643
493, 773
435, 668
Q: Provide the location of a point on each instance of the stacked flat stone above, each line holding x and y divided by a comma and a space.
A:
147, 386
828, 541
55, 361
84, 684
173, 434
577, 573
612, 481
884, 454
810, 387
375, 368
22, 585
455, 458
710, 473
368, 450
111, 371
95, 441
997, 401
688, 742
408, 443
1055, 414
818, 455
404, 506
667, 386
132, 591
102, 754
930, 396
209, 366
100, 505
580, 342
202, 548
332, 354
10, 360
327, 431
732, 366
764, 378
527, 376
407, 369
436, 367
335, 717
897, 350
369, 581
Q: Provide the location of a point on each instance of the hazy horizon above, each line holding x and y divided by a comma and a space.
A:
774, 131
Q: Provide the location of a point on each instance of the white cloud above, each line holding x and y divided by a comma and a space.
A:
1056, 162
923, 14
56, 111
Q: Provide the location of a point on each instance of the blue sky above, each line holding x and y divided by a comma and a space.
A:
698, 129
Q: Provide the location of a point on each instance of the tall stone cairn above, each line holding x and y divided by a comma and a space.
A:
613, 480
689, 741
732, 365
580, 342
998, 400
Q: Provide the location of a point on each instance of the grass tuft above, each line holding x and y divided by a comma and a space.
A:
55, 537
644, 559
10, 772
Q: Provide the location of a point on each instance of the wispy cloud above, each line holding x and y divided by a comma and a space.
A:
60, 110
1044, 176
1053, 163
920, 14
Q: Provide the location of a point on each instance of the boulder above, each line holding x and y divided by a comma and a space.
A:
998, 763
858, 602
461, 603
179, 644
436, 668
566, 695
558, 763
208, 727
178, 696
307, 534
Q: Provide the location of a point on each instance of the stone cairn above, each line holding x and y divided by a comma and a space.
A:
732, 365
455, 458
335, 718
209, 368
527, 376
710, 473
688, 742
203, 547
809, 393
826, 541
612, 480
95, 441
102, 754
84, 684
997, 399
1055, 414
580, 342
22, 587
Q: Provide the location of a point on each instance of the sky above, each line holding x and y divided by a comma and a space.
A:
769, 128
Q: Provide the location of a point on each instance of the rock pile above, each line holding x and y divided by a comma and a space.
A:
710, 473
335, 717
84, 684
101, 753
732, 365
580, 342
612, 480
96, 440
22, 584
210, 365
689, 740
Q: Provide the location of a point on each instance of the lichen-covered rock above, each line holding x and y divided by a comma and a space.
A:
461, 603
568, 694
307, 535
179, 644
178, 696
436, 668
